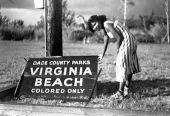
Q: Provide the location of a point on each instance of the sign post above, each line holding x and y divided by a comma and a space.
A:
65, 78
52, 26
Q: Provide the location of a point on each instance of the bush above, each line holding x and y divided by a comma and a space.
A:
16, 30
144, 38
100, 36
5, 33
16, 33
39, 34
77, 35
158, 32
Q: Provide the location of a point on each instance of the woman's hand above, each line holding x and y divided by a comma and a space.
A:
100, 57
114, 62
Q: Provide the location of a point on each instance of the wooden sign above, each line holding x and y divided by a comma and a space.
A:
39, 4
66, 78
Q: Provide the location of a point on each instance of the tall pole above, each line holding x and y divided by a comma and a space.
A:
167, 13
125, 12
45, 26
54, 28
124, 2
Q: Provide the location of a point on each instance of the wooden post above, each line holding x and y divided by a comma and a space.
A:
167, 15
125, 12
45, 25
54, 28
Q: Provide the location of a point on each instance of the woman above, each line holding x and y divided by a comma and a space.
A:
127, 61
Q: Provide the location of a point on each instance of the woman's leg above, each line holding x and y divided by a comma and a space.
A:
119, 93
121, 86
127, 84
128, 81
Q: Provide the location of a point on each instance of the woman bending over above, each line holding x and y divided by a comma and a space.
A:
127, 61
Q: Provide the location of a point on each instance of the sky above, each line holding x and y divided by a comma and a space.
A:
24, 9
114, 7
21, 9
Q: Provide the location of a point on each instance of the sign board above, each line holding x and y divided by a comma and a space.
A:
39, 4
66, 78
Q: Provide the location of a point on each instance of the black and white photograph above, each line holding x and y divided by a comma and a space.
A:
84, 57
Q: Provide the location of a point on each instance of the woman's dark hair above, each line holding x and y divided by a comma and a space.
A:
96, 18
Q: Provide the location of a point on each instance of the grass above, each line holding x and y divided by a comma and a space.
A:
12, 57
150, 90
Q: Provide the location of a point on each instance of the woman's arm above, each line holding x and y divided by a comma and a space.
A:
105, 45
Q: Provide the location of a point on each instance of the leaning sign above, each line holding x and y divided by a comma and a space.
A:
66, 78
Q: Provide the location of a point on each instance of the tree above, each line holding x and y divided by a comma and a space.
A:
18, 23
0, 16
40, 23
5, 21
126, 3
80, 22
67, 15
147, 20
167, 17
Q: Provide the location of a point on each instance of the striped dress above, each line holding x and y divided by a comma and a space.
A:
127, 60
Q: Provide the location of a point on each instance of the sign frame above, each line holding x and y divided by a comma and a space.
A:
92, 91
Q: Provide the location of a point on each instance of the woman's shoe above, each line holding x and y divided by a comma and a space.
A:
117, 95
126, 91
